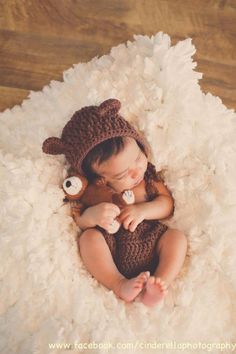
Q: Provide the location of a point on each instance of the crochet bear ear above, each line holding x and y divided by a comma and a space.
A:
53, 146
110, 106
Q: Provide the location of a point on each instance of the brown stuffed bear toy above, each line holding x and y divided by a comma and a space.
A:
82, 195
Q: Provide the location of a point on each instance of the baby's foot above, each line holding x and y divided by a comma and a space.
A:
154, 291
128, 289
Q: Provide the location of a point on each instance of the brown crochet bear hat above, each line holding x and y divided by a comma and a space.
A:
88, 127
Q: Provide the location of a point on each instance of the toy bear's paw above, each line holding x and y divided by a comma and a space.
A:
114, 227
128, 197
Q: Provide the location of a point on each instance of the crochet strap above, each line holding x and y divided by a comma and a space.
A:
152, 176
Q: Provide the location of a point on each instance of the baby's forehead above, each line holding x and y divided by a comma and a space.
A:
134, 146
129, 140
121, 160
130, 145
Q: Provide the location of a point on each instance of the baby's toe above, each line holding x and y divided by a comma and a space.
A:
158, 281
139, 282
164, 286
151, 280
144, 276
138, 286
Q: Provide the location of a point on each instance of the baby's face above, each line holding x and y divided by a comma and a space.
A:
126, 169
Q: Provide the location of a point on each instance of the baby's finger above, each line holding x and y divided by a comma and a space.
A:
121, 218
109, 220
115, 209
126, 223
133, 226
111, 214
123, 215
107, 223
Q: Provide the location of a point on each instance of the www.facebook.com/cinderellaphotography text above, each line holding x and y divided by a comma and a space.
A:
171, 345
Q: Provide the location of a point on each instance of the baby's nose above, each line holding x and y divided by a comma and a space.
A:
134, 173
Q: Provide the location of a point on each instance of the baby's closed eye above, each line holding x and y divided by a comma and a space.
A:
120, 178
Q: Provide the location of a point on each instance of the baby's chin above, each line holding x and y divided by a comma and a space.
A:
125, 188
131, 186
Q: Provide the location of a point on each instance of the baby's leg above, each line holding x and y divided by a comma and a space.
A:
171, 250
98, 260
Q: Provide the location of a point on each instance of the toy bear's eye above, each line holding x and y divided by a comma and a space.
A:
72, 185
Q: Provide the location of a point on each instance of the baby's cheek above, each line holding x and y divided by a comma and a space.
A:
145, 163
116, 186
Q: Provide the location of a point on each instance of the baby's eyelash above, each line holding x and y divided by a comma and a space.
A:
120, 178
138, 158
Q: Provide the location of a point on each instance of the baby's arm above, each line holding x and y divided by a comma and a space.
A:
82, 220
162, 206
159, 208
102, 214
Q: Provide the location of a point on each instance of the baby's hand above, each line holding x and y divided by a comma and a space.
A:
131, 216
103, 214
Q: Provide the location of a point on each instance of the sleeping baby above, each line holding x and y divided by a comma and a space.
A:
141, 259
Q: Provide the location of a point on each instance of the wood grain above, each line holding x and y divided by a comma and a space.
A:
39, 39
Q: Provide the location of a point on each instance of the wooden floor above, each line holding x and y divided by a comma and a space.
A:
41, 38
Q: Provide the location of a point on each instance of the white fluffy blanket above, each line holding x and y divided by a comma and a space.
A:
47, 296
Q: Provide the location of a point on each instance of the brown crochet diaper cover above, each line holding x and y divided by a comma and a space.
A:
135, 252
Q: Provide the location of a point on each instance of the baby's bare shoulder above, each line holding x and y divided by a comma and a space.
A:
162, 188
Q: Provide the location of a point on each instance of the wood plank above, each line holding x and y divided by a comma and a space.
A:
10, 96
218, 79
41, 39
30, 61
